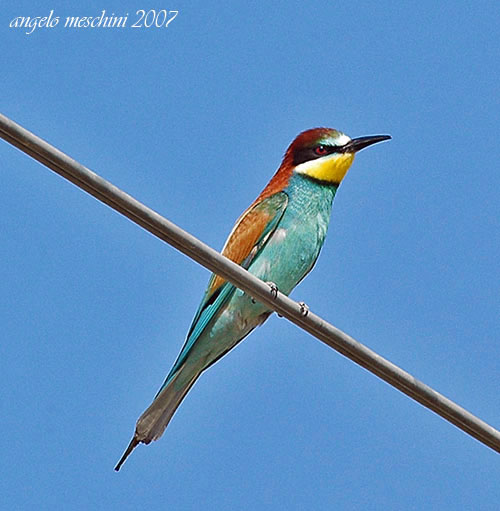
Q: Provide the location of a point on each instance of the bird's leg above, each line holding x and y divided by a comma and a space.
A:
304, 309
274, 289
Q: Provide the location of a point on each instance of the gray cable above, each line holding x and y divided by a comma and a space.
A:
211, 259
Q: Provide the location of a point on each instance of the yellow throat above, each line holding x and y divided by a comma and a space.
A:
331, 169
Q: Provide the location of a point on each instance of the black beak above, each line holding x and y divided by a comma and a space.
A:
356, 144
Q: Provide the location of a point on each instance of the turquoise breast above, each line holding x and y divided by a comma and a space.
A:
295, 245
287, 257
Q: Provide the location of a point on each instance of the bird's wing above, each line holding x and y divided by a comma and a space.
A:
249, 235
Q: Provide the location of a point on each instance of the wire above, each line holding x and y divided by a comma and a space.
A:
214, 261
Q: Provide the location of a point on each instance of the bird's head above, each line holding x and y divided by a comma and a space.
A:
325, 154
322, 154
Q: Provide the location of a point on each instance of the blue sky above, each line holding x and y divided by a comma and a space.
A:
193, 121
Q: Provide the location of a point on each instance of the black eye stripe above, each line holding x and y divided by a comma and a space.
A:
308, 153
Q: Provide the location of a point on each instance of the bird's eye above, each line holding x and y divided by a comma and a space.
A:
320, 150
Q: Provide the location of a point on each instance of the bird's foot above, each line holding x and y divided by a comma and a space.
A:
304, 309
274, 289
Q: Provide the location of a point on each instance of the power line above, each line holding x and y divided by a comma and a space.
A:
214, 261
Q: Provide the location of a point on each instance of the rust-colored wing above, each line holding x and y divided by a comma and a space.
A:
248, 237
251, 232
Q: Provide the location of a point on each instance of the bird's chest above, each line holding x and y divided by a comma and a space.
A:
294, 247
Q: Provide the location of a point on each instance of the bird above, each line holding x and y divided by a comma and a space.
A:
278, 239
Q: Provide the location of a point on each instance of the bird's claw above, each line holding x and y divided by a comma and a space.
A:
304, 309
274, 289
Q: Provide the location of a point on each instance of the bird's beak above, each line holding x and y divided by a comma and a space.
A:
356, 144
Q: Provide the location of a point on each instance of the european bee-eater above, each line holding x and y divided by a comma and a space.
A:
278, 239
